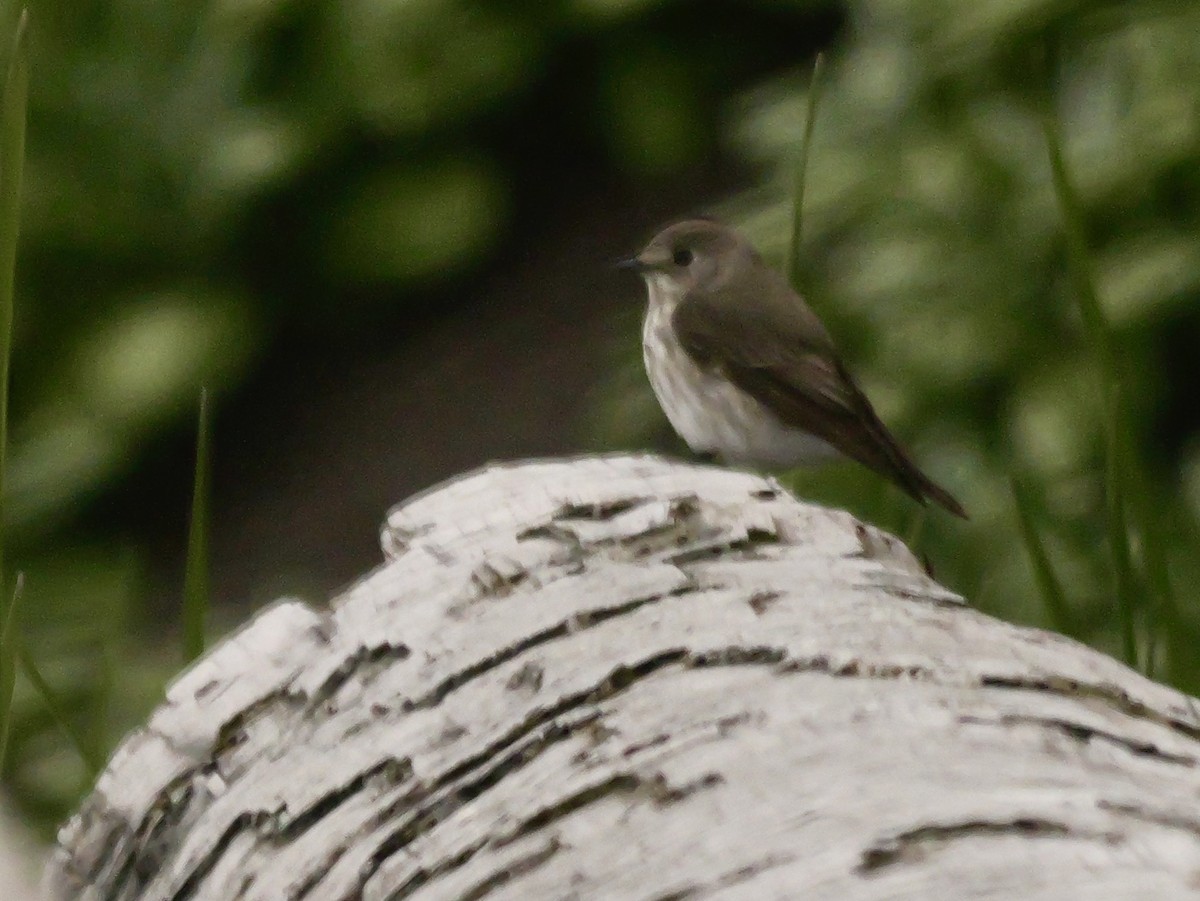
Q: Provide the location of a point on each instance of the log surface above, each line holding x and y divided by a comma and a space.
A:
625, 677
20, 857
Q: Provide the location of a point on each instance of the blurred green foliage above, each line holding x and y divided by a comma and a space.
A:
935, 250
208, 181
205, 177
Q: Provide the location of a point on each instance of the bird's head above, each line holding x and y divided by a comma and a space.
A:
691, 253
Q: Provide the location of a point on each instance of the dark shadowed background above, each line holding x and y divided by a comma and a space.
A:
381, 232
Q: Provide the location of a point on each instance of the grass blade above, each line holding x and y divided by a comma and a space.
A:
8, 632
196, 583
111, 636
1053, 596
1117, 527
1104, 348
56, 710
916, 527
12, 158
1179, 640
7, 668
814, 92
1164, 622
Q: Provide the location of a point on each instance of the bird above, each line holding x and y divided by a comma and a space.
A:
744, 369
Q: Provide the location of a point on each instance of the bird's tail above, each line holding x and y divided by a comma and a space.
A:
925, 489
891, 460
884, 454
901, 469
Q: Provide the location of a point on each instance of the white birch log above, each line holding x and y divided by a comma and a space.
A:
624, 677
20, 858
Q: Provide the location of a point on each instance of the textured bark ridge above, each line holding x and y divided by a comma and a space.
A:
624, 677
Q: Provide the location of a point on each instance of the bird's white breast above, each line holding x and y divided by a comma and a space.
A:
709, 412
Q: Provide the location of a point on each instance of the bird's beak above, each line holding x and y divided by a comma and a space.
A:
633, 264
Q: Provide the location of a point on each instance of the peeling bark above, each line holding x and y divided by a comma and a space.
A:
624, 677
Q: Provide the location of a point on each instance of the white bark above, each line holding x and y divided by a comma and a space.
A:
624, 677
19, 858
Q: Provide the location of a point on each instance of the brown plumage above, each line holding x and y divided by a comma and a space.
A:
743, 329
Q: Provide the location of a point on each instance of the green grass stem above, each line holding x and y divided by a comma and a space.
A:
1049, 585
111, 637
13, 101
57, 711
196, 577
794, 264
1117, 464
916, 527
1164, 622
8, 640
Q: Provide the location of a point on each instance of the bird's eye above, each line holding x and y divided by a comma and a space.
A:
682, 257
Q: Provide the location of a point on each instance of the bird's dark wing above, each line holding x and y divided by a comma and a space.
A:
778, 352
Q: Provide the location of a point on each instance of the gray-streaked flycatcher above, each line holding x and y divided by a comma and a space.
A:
746, 371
